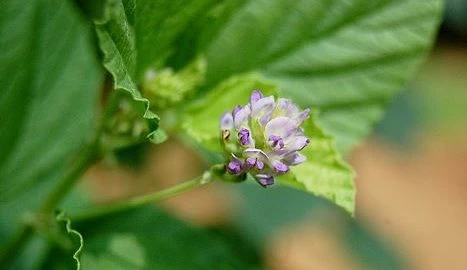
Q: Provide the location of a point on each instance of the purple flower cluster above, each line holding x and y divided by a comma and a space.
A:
263, 137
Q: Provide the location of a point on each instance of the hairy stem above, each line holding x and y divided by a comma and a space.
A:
122, 206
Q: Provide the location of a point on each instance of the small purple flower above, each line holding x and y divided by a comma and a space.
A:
276, 141
244, 136
259, 165
264, 137
255, 96
235, 166
279, 167
236, 109
265, 179
251, 162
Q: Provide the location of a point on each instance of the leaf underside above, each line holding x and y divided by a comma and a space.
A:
117, 39
47, 109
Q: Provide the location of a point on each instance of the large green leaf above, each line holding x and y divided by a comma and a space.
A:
116, 35
345, 58
150, 239
323, 174
50, 90
159, 24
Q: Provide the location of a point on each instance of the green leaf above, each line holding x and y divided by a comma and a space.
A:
344, 58
158, 136
61, 217
150, 239
50, 82
324, 173
201, 120
202, 31
117, 42
159, 24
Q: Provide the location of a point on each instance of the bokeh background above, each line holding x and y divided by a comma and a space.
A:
411, 183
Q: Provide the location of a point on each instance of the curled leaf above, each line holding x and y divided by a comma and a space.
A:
62, 217
116, 38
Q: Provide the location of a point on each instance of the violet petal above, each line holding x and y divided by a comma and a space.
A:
285, 107
226, 121
264, 179
280, 167
276, 141
250, 162
235, 166
255, 96
236, 109
259, 165
244, 136
256, 153
280, 126
302, 116
263, 109
241, 117
297, 143
294, 159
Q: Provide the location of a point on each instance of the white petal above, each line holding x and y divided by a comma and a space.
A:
262, 109
241, 117
281, 126
302, 116
296, 143
280, 167
256, 153
255, 96
226, 121
294, 159
286, 107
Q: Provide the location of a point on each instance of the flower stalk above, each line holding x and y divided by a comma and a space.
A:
154, 197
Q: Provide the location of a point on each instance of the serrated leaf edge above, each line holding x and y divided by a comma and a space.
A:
62, 217
339, 161
136, 95
148, 114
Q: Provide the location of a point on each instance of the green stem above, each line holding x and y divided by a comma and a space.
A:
87, 157
15, 244
79, 167
138, 201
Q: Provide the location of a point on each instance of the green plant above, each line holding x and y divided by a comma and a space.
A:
192, 60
